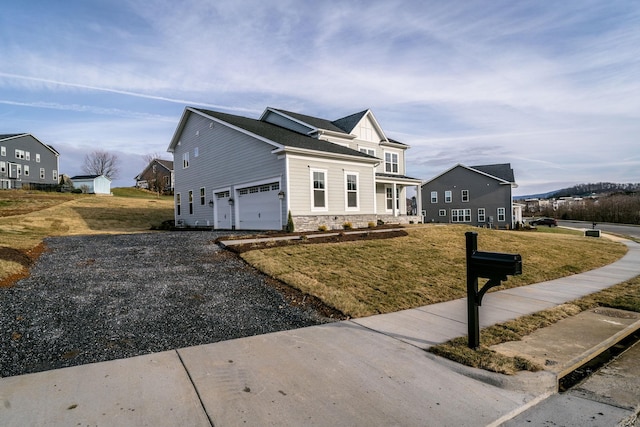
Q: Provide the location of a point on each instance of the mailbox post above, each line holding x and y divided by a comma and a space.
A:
488, 265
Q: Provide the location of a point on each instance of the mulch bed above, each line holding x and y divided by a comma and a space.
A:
306, 240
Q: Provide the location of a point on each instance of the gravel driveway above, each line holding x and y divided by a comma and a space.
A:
97, 298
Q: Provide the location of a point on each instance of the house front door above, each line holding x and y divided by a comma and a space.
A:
222, 210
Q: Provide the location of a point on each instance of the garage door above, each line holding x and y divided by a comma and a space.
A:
259, 207
222, 213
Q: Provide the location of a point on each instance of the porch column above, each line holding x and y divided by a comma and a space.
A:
395, 200
419, 201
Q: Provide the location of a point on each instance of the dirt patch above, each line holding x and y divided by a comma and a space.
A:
25, 258
310, 239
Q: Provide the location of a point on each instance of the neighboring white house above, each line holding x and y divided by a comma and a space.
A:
234, 172
92, 184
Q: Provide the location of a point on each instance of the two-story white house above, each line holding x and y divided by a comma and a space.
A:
234, 172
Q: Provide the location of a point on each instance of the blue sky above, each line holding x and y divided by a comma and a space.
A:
551, 87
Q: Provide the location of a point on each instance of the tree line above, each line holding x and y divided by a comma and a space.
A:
623, 208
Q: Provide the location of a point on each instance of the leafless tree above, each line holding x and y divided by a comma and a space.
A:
101, 163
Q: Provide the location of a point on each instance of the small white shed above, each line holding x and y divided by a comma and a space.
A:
93, 184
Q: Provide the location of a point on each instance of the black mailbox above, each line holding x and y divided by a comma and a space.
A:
491, 265
486, 265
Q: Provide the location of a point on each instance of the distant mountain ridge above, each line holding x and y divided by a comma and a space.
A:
582, 190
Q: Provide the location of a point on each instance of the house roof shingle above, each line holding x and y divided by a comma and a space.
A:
501, 170
283, 136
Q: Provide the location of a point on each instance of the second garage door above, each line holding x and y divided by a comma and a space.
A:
259, 207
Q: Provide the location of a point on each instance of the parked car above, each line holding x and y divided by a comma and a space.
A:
545, 221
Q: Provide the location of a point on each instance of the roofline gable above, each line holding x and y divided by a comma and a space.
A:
500, 180
19, 135
187, 113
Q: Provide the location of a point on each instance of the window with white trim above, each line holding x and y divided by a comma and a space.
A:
27, 155
55, 175
37, 157
41, 173
369, 151
185, 160
351, 185
190, 202
389, 198
391, 162
319, 189
482, 216
26, 170
177, 203
447, 196
19, 154
465, 195
460, 215
501, 215
202, 196
434, 197
442, 212
3, 150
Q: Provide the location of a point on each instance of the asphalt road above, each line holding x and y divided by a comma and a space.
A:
622, 229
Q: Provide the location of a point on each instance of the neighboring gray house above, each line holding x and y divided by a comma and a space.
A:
92, 184
476, 195
27, 162
233, 172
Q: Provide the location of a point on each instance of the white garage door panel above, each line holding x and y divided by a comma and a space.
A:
259, 210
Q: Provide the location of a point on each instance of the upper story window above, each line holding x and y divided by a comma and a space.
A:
434, 197
19, 154
37, 158
319, 189
27, 155
3, 151
369, 151
185, 160
391, 162
447, 196
465, 195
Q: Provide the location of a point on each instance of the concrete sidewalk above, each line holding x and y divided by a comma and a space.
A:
362, 372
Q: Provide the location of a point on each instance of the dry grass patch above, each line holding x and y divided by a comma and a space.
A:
425, 267
623, 296
54, 214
